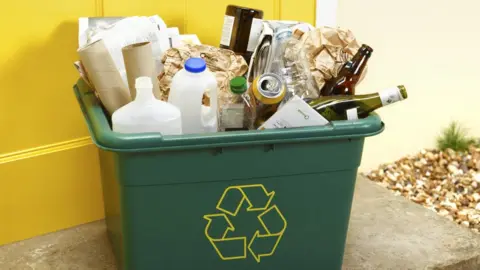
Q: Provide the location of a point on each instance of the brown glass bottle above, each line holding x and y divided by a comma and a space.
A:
241, 29
348, 76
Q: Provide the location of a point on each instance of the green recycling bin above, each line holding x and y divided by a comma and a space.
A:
256, 200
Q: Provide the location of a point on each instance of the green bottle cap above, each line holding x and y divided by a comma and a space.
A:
238, 85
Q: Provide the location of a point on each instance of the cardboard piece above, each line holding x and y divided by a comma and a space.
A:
104, 76
139, 62
295, 113
127, 31
83, 74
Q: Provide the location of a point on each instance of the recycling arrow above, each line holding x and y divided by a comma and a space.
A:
263, 245
256, 196
218, 238
270, 218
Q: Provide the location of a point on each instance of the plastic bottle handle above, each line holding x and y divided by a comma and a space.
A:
212, 86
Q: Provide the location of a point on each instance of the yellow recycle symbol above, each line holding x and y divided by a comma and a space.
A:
261, 244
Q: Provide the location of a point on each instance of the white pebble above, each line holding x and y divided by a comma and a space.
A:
406, 167
449, 204
452, 169
430, 156
391, 177
476, 177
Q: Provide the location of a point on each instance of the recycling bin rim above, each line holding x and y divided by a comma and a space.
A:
105, 138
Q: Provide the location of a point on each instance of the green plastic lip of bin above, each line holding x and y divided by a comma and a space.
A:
106, 139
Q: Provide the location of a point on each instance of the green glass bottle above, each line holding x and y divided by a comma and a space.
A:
357, 106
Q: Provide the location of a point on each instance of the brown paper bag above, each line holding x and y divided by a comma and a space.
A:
225, 64
139, 62
327, 49
104, 76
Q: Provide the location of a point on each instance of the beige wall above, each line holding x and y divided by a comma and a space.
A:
431, 46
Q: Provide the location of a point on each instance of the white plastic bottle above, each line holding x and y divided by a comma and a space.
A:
146, 113
186, 92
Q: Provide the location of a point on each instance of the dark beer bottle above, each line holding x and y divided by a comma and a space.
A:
241, 30
356, 106
348, 76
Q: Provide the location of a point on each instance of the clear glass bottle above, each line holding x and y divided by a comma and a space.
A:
296, 72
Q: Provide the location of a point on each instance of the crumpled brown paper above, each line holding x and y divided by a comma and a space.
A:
327, 49
225, 64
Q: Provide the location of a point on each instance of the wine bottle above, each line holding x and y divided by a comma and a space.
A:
349, 75
356, 106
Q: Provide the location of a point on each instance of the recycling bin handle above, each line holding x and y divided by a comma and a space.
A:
99, 127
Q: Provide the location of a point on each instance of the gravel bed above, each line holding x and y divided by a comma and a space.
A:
446, 182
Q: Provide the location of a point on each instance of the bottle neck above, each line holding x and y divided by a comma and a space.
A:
389, 96
335, 107
371, 102
144, 94
358, 65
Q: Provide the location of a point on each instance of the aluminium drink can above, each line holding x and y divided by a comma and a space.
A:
267, 91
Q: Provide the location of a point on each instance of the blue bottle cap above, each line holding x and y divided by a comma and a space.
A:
195, 65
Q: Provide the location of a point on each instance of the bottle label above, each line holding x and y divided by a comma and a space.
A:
352, 114
232, 116
255, 31
390, 95
227, 30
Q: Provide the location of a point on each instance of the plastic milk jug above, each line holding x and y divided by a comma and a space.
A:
146, 113
186, 93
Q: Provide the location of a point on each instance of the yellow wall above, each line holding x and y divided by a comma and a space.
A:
49, 175
430, 46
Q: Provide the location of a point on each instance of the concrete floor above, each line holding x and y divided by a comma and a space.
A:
85, 247
386, 232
